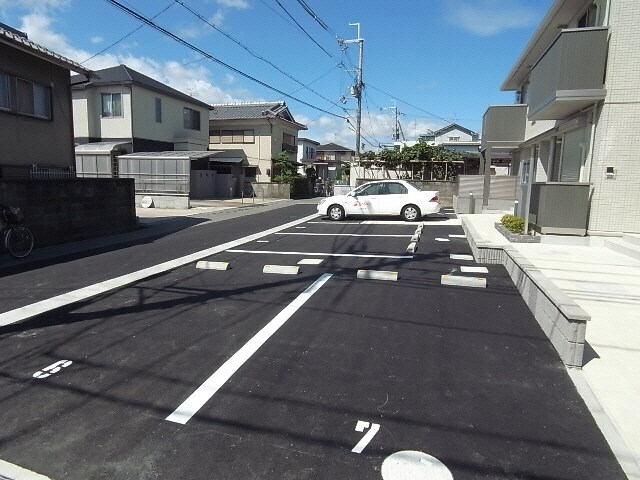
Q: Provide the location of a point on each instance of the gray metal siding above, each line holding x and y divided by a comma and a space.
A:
575, 61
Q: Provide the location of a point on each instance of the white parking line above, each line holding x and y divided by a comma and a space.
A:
336, 223
342, 234
208, 389
318, 254
28, 311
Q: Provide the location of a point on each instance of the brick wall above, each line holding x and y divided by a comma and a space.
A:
65, 210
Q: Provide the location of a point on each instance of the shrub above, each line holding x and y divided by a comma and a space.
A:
512, 223
299, 187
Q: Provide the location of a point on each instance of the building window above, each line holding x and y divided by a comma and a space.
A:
4, 91
191, 118
33, 99
158, 110
111, 104
231, 136
288, 139
309, 153
454, 139
588, 19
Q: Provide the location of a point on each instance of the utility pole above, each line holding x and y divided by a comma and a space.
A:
397, 127
395, 135
356, 90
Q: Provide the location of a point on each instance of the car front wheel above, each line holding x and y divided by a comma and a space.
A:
335, 212
410, 213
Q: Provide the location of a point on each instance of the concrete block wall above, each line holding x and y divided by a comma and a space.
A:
160, 200
65, 210
271, 190
559, 317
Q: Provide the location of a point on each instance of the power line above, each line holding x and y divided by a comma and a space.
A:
147, 21
313, 14
126, 36
366, 99
314, 81
301, 28
411, 105
255, 55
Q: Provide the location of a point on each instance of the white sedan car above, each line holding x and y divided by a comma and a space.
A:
382, 197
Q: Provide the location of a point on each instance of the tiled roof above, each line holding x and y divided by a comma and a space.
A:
452, 126
252, 110
123, 75
12, 37
332, 147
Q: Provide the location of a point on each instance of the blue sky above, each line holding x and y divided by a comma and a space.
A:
437, 61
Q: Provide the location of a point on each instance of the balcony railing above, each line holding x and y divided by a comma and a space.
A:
503, 126
570, 75
289, 148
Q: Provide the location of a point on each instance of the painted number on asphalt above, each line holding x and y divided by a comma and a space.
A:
361, 426
52, 369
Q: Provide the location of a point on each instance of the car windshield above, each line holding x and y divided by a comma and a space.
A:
358, 191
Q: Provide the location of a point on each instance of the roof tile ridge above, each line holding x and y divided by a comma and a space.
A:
244, 104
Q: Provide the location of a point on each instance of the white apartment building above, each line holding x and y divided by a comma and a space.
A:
573, 129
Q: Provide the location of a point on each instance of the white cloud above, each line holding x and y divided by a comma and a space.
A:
37, 25
34, 4
490, 17
194, 80
240, 4
217, 18
96, 39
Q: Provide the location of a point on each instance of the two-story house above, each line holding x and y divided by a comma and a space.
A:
37, 149
466, 142
330, 158
255, 133
119, 110
573, 129
306, 153
35, 107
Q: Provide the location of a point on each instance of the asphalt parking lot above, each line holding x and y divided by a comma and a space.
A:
237, 373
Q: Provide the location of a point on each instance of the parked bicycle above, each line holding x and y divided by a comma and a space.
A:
18, 239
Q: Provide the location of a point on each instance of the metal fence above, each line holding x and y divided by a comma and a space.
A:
51, 173
166, 176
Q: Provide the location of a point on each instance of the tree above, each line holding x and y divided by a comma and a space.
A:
283, 170
436, 158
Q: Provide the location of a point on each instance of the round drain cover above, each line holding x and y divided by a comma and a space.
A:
414, 465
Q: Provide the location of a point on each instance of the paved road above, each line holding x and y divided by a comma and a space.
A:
238, 374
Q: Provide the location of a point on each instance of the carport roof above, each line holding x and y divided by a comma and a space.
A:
170, 155
100, 147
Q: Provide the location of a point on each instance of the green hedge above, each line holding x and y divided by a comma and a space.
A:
299, 187
512, 223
